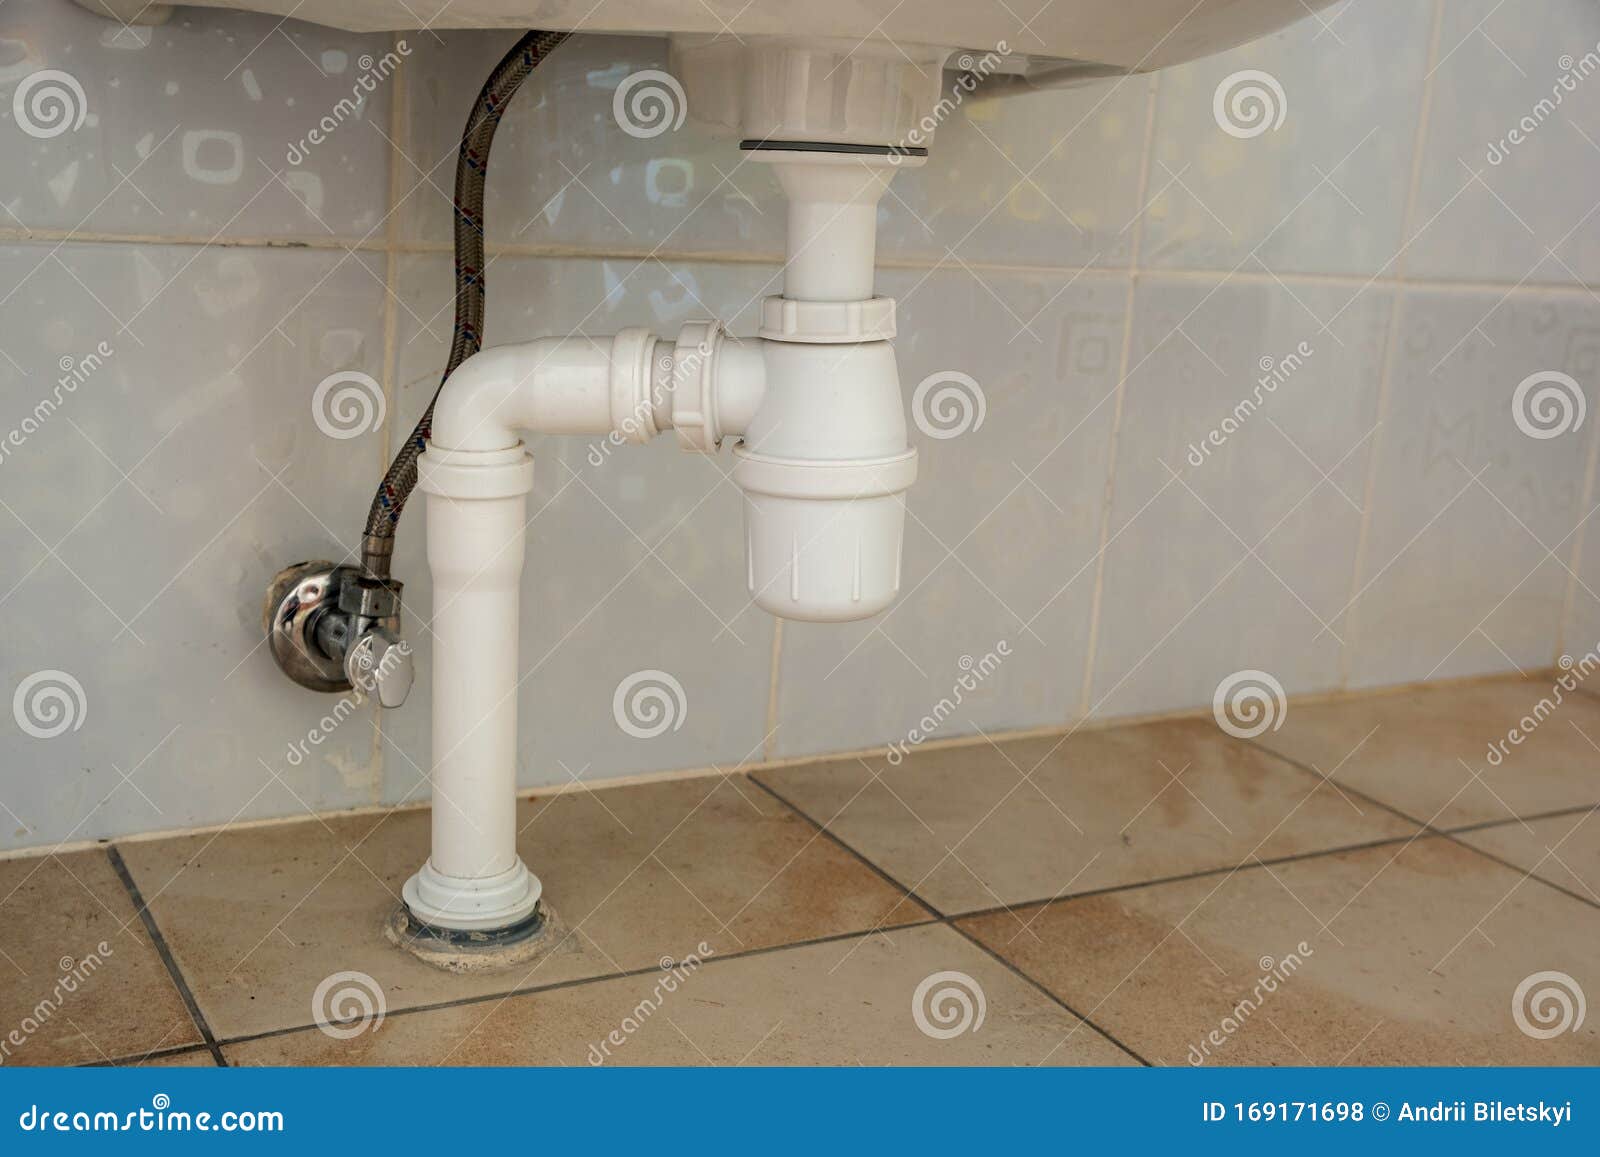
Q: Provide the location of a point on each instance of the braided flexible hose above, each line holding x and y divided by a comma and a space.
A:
472, 166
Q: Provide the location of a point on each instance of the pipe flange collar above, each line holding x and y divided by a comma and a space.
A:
827, 322
694, 387
632, 407
468, 474
475, 904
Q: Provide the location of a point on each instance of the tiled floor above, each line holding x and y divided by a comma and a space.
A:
1360, 886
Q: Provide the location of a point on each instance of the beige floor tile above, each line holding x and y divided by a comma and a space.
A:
843, 1002
1418, 750
1420, 957
1562, 849
79, 978
258, 918
199, 1059
961, 827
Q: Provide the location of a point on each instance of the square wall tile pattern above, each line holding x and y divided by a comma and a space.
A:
1289, 401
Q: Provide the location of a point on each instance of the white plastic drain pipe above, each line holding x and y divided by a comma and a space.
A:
821, 455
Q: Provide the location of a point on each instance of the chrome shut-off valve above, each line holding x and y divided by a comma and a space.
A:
334, 628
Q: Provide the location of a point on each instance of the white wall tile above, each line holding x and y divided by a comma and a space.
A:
188, 127
142, 516
1048, 178
1457, 579
1488, 207
1201, 483
564, 171
1323, 192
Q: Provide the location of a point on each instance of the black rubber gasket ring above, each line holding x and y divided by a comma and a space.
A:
417, 930
755, 146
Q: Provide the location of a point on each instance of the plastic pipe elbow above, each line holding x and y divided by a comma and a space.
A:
567, 385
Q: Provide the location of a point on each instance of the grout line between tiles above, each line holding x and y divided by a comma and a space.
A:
583, 981
1183, 877
1108, 490
1016, 970
400, 140
945, 920
1531, 817
769, 745
584, 252
1527, 874
119, 866
1391, 347
1344, 787
132, 1059
1451, 833
881, 873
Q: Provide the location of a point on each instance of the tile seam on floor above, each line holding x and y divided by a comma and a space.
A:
584, 981
1017, 970
134, 1059
164, 951
1223, 869
1329, 781
1451, 833
882, 873
949, 922
1531, 817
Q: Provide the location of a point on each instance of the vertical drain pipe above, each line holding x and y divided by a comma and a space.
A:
473, 880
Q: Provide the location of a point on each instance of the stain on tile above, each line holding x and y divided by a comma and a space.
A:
83, 982
258, 918
840, 1003
989, 824
1404, 954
